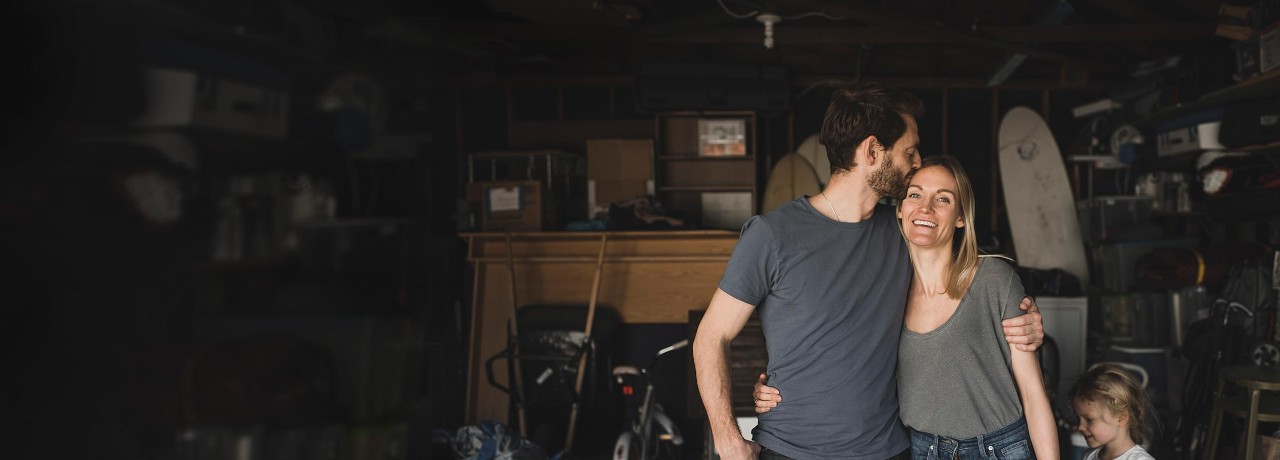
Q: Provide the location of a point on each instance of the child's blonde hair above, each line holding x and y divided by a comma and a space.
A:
1114, 388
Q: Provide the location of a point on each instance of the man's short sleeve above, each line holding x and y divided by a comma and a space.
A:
748, 274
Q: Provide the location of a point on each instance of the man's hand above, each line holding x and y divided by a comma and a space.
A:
766, 397
741, 449
1025, 332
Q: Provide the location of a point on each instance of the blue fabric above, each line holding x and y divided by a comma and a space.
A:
1012, 442
491, 440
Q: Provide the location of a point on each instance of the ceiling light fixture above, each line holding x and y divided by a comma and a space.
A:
768, 19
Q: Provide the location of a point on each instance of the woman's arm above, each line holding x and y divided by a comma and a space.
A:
1035, 403
1026, 331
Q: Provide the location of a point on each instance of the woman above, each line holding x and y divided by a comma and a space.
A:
954, 395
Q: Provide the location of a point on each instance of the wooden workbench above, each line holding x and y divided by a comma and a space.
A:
647, 277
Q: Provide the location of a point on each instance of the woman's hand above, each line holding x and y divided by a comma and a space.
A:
766, 397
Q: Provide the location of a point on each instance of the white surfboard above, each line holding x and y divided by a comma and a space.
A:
1038, 198
791, 178
813, 151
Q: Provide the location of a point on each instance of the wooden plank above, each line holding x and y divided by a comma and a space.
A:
891, 18
574, 133
842, 35
790, 34
1088, 33
805, 81
1126, 9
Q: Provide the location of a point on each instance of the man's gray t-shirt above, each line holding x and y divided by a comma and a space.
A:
831, 296
956, 380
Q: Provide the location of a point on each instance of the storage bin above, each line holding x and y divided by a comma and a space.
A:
1107, 218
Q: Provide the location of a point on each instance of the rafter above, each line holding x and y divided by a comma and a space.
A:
894, 19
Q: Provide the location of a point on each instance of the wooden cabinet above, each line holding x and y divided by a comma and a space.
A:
646, 277
705, 166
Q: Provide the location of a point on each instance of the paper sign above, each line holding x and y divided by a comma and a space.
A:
505, 199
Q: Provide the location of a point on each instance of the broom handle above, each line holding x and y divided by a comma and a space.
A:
518, 386
586, 340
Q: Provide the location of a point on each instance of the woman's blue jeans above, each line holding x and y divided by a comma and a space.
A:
1012, 442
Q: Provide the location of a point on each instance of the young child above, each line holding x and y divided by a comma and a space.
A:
1114, 413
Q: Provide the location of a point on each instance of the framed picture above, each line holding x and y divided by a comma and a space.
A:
722, 137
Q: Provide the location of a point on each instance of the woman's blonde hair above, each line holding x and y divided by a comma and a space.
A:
964, 248
1114, 388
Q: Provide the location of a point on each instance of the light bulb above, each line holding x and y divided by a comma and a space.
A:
768, 19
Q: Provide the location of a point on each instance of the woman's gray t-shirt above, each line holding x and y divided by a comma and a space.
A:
957, 380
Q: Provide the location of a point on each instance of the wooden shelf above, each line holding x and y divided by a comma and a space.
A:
1267, 149
701, 158
706, 188
1260, 85
685, 179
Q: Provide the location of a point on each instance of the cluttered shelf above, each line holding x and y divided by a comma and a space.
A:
1259, 86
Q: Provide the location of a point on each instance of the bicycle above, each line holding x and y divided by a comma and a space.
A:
1224, 343
651, 434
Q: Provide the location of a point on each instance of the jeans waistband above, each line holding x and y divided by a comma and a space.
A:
1015, 430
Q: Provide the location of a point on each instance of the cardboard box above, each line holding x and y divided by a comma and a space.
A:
620, 159
1199, 137
618, 169
508, 205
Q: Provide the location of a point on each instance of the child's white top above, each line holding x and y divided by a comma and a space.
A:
1134, 453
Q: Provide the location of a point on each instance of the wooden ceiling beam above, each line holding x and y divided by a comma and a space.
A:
1079, 33
785, 36
1127, 10
1207, 9
797, 81
710, 19
894, 19
813, 81
425, 33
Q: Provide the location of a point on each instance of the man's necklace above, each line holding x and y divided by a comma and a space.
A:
829, 205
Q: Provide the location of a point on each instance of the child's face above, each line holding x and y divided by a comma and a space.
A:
1099, 425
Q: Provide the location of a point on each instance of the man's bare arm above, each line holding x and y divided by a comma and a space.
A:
1026, 332
720, 324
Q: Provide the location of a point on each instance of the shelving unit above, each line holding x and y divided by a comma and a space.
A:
1258, 86
1264, 85
716, 191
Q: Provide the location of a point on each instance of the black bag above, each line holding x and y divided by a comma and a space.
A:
1252, 122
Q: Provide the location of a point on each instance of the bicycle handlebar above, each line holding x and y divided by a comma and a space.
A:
1232, 305
674, 347
670, 348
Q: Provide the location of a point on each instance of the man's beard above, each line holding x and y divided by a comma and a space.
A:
888, 181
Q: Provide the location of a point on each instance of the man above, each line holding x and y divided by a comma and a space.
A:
830, 273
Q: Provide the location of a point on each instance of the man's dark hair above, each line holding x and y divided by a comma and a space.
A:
862, 110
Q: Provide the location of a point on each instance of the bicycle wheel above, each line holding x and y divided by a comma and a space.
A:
627, 447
